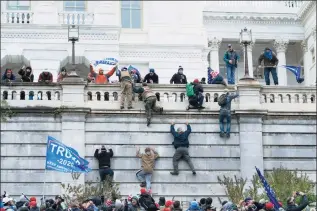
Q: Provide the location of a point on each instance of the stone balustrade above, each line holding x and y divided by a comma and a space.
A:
76, 18
17, 17
171, 97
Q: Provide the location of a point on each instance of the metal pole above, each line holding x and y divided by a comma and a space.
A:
246, 63
73, 53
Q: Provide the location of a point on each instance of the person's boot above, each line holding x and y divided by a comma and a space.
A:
222, 134
161, 110
121, 107
148, 122
228, 135
174, 172
143, 185
130, 107
194, 173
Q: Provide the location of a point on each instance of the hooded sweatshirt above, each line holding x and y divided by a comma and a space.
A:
181, 139
148, 161
194, 206
268, 58
148, 78
26, 76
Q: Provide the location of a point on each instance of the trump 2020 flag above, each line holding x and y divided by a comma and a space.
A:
269, 191
62, 158
296, 71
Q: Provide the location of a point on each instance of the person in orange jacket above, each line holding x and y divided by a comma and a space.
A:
100, 77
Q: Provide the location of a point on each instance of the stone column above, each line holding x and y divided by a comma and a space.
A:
250, 58
306, 63
281, 46
249, 116
73, 120
214, 45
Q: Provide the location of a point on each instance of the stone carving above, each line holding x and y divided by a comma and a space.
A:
57, 36
281, 44
214, 43
304, 45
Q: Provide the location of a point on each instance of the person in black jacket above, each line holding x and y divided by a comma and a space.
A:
181, 145
103, 156
179, 77
197, 100
26, 74
146, 201
291, 206
151, 77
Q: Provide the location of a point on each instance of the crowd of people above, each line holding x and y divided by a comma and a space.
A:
144, 201
231, 59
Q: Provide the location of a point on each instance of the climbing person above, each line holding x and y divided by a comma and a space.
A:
179, 77
194, 92
270, 61
126, 82
104, 156
148, 162
181, 145
224, 101
149, 99
231, 59
151, 77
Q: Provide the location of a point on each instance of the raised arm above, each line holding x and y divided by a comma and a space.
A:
138, 154
173, 129
110, 153
111, 72
156, 155
189, 129
96, 155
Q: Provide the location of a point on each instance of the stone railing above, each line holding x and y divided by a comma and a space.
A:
17, 17
171, 97
76, 18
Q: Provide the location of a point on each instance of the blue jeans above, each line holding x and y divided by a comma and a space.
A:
267, 71
231, 70
225, 114
144, 177
197, 101
104, 172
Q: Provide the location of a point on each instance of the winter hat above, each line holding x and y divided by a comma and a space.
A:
194, 205
162, 201
168, 203
209, 200
247, 199
32, 199
135, 198
269, 206
130, 197
23, 198
152, 70
176, 204
108, 202
124, 69
180, 68
196, 81
32, 204
143, 190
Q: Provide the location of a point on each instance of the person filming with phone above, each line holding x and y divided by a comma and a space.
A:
291, 206
103, 156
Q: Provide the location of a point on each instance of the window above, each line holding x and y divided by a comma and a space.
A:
75, 6
18, 5
131, 14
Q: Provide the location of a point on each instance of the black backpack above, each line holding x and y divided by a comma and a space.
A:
148, 203
222, 100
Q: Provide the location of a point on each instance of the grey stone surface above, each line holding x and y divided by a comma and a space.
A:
292, 164
290, 152
290, 128
289, 139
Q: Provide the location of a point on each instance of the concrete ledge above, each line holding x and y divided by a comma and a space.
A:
203, 164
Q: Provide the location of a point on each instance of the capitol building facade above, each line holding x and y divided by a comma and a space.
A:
159, 34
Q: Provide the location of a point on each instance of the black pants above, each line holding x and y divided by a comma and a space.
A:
104, 172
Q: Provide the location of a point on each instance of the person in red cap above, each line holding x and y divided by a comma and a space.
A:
196, 101
269, 206
146, 201
169, 204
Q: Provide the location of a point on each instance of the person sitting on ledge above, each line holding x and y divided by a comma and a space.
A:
100, 78
8, 76
45, 77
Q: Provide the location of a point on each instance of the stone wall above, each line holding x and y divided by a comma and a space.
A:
271, 136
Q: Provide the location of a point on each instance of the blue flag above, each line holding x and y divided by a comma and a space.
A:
296, 71
269, 191
106, 61
62, 158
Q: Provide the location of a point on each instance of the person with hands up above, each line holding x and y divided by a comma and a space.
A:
104, 158
291, 206
181, 145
